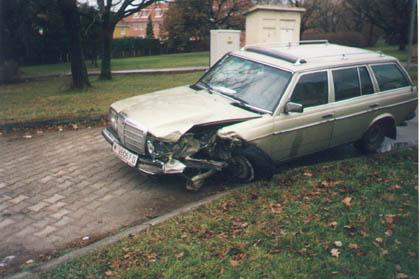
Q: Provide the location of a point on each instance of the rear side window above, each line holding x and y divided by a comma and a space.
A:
365, 81
389, 77
346, 84
311, 90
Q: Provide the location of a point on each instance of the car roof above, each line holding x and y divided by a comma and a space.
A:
303, 56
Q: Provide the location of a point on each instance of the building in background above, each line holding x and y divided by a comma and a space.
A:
136, 24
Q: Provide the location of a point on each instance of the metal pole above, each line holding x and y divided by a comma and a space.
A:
411, 35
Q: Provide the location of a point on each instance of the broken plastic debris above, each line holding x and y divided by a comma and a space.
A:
85, 238
7, 260
27, 136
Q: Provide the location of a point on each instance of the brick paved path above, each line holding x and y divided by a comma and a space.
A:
60, 186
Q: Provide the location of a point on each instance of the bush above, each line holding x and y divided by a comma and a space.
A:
9, 72
131, 47
355, 39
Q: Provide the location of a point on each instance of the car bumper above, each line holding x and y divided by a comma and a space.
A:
144, 164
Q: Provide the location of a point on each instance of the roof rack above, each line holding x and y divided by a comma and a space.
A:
277, 54
289, 44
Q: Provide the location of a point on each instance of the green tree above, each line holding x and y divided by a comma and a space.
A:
192, 20
73, 27
391, 16
110, 13
149, 29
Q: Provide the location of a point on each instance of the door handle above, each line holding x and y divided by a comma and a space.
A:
327, 116
374, 105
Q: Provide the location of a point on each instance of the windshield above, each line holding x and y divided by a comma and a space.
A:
249, 82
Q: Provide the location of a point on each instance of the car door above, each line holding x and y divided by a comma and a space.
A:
355, 103
299, 133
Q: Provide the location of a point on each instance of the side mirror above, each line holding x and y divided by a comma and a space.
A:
293, 107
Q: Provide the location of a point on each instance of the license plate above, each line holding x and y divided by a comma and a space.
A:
126, 156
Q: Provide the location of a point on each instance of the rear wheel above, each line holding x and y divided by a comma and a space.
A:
372, 139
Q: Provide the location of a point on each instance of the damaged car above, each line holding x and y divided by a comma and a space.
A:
260, 106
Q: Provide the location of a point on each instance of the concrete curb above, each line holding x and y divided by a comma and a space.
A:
114, 238
179, 70
7, 126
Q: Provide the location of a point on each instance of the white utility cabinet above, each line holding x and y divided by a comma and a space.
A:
268, 24
222, 42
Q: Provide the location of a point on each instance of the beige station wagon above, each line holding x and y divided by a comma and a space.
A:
264, 105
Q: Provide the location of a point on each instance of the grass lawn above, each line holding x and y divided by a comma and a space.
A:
144, 62
356, 218
391, 50
49, 99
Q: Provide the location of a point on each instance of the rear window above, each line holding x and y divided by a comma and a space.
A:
389, 76
346, 84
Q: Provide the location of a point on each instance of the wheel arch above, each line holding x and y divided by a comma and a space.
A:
388, 120
261, 161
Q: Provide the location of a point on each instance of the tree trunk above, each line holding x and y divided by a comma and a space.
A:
71, 19
107, 32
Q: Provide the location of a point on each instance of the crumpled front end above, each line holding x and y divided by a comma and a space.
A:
197, 154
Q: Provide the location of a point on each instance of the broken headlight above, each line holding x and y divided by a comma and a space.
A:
113, 119
158, 149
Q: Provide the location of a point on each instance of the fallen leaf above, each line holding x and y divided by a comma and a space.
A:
394, 187
308, 174
30, 261
333, 224
179, 255
384, 252
234, 263
226, 205
390, 219
108, 273
379, 240
401, 276
338, 244
275, 208
353, 246
335, 253
347, 201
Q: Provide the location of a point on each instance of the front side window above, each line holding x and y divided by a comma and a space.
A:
389, 76
250, 82
311, 90
346, 84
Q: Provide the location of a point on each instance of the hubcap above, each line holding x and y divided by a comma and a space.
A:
241, 168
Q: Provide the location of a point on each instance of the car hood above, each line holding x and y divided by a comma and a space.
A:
168, 114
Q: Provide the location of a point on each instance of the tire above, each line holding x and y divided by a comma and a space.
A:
241, 169
249, 164
372, 139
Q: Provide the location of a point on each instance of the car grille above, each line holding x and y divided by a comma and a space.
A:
131, 136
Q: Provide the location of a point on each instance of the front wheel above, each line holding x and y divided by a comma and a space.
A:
240, 168
372, 139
